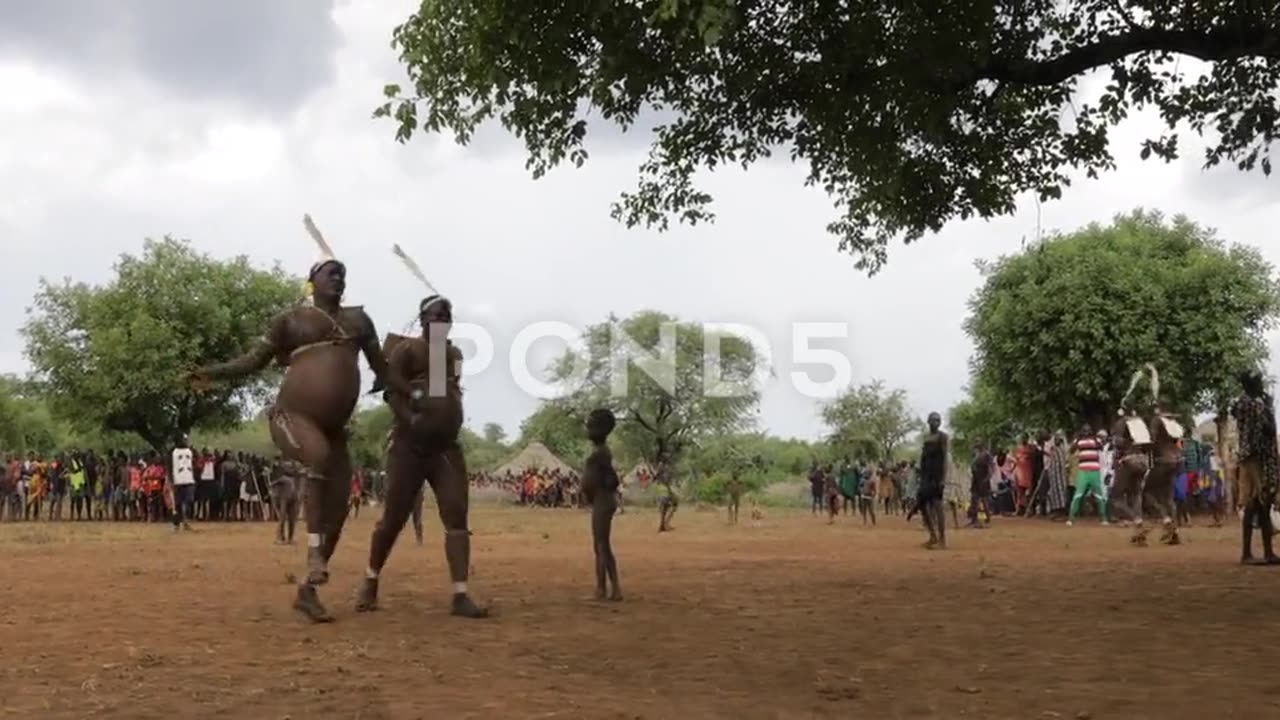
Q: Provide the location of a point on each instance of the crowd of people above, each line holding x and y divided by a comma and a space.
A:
1044, 475
137, 487
535, 486
124, 486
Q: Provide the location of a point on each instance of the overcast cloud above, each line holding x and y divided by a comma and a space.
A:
225, 122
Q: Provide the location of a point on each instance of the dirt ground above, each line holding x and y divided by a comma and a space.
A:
788, 619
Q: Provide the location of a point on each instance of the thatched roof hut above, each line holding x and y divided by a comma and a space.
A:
534, 456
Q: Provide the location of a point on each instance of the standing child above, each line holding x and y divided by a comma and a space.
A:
867, 497
734, 489
600, 487
356, 496
831, 493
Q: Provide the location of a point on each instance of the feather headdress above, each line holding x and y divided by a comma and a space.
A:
326, 255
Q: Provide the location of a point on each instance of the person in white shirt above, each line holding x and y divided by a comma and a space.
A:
184, 485
207, 493
1108, 461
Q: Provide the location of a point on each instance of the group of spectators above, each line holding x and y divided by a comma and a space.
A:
1051, 477
123, 486
535, 487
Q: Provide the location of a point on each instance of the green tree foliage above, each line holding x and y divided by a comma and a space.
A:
909, 114
483, 453
659, 421
115, 356
370, 428
494, 433
25, 423
1060, 327
869, 421
557, 425
759, 459
252, 437
984, 417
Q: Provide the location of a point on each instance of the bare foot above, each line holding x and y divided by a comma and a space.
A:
616, 595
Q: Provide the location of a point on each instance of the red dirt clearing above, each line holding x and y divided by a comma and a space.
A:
791, 619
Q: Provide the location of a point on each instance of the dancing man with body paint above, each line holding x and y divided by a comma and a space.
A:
424, 446
318, 344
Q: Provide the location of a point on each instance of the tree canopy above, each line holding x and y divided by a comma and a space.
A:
907, 113
869, 421
25, 423
557, 425
659, 419
115, 356
1060, 327
983, 416
494, 433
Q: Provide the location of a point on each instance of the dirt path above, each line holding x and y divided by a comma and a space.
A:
792, 619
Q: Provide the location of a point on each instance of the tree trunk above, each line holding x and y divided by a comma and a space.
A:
1096, 414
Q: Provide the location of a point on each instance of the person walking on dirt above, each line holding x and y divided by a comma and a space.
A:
668, 501
319, 344
980, 486
424, 447
1259, 474
933, 479
815, 488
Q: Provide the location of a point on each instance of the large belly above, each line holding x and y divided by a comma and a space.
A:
443, 415
322, 383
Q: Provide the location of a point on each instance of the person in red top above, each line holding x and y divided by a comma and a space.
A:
357, 488
136, 498
153, 484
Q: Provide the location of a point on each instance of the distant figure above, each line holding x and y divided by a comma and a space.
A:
734, 488
933, 478
980, 486
867, 498
285, 479
184, 485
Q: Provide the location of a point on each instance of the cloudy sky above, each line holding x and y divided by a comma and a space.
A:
225, 122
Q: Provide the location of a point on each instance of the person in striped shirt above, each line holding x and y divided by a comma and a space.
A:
1088, 452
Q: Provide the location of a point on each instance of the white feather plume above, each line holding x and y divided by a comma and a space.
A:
326, 252
413, 268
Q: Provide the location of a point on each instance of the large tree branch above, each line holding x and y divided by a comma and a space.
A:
638, 418
1255, 40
